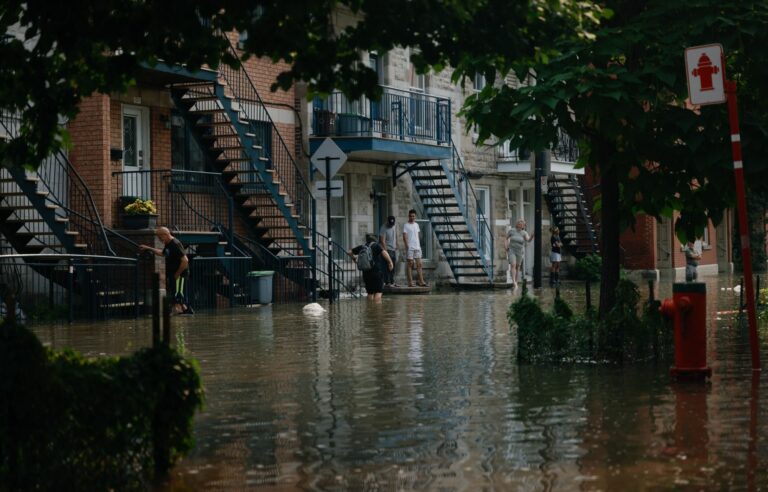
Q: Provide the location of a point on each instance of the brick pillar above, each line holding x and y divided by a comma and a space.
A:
90, 133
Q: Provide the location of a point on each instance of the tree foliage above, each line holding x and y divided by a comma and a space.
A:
54, 54
623, 94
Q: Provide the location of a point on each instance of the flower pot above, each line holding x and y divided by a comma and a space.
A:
141, 221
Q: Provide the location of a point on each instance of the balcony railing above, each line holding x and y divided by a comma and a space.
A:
187, 201
566, 149
399, 115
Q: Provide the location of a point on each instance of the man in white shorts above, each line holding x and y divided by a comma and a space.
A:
413, 249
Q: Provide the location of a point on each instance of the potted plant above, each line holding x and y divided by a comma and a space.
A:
140, 214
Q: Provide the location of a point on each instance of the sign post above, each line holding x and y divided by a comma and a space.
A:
328, 159
702, 64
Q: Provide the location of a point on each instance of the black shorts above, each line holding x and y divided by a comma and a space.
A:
374, 284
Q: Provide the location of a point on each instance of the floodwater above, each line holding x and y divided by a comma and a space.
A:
424, 393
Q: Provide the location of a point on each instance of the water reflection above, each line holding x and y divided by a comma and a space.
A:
424, 393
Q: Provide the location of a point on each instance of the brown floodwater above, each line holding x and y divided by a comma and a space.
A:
423, 392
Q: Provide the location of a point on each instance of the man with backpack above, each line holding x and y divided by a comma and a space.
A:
370, 257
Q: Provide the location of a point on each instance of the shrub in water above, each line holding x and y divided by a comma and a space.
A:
81, 424
588, 268
561, 336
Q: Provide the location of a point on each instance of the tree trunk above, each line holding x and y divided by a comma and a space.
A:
609, 227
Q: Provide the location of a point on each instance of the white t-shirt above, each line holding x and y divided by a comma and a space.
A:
412, 233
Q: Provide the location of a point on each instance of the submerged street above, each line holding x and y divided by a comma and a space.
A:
423, 392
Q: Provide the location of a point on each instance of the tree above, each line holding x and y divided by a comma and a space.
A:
623, 95
54, 54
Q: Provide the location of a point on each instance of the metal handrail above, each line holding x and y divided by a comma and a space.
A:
457, 174
342, 278
281, 159
57, 256
73, 182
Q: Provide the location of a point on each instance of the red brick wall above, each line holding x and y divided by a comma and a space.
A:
708, 255
90, 132
640, 245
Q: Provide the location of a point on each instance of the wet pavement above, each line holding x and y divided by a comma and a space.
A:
423, 392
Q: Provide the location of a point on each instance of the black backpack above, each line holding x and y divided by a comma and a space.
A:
365, 258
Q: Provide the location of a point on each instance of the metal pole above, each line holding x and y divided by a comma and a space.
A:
538, 172
70, 289
328, 222
313, 258
741, 201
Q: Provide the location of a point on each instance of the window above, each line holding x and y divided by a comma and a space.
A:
479, 82
186, 154
242, 37
338, 226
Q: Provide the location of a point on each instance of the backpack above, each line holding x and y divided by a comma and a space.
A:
365, 258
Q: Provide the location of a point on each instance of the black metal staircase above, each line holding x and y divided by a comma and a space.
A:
458, 222
569, 211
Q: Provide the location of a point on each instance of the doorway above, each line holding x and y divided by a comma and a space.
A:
380, 203
136, 145
483, 208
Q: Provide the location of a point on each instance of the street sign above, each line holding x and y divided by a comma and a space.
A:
337, 187
328, 150
705, 74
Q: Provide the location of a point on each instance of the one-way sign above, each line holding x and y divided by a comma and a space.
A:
328, 155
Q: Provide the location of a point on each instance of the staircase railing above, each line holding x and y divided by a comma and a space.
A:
347, 278
279, 158
477, 223
583, 212
67, 190
185, 200
290, 282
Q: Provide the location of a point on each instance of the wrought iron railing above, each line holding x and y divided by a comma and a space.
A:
70, 286
186, 201
63, 187
293, 280
273, 148
477, 220
398, 115
566, 149
346, 279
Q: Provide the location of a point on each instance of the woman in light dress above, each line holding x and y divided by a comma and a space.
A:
516, 239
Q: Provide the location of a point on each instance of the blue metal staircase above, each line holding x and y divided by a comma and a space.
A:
458, 222
245, 145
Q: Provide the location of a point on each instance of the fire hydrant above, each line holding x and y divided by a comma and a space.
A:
705, 70
688, 309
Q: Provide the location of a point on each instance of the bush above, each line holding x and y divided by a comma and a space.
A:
561, 336
141, 207
588, 268
81, 424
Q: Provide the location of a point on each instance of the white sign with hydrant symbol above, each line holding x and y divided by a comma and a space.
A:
704, 71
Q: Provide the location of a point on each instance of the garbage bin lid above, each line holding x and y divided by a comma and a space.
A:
264, 273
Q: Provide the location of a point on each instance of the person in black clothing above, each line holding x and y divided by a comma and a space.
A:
373, 278
555, 257
176, 269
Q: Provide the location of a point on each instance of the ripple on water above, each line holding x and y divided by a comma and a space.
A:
424, 393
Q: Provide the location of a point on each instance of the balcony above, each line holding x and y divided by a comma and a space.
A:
402, 126
563, 157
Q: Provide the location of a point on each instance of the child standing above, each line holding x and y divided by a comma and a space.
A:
555, 257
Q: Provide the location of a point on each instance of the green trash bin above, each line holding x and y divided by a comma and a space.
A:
261, 286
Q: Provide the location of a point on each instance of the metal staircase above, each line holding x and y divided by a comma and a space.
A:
244, 144
568, 207
54, 232
458, 222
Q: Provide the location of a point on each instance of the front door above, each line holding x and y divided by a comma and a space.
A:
136, 152
483, 194
380, 204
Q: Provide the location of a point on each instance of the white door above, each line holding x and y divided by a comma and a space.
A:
136, 152
483, 207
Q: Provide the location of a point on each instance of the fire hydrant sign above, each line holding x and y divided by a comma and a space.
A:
704, 70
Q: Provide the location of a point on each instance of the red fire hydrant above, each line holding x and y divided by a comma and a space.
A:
688, 309
705, 70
